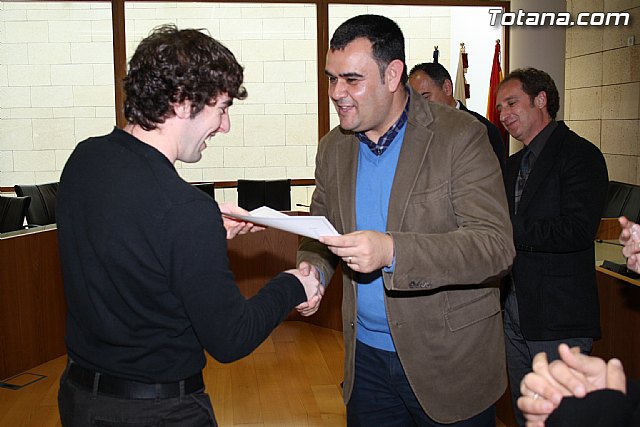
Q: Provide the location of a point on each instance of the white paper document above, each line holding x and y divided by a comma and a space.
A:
310, 226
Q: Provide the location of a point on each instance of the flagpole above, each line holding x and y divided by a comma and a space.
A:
492, 112
459, 90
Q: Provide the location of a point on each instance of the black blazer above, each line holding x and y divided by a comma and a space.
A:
554, 232
494, 136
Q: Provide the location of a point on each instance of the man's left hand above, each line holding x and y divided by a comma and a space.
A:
235, 226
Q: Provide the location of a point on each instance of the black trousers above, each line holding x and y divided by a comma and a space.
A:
80, 407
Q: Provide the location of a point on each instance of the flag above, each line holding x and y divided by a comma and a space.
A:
492, 112
461, 89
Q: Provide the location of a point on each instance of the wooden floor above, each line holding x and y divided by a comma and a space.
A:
292, 379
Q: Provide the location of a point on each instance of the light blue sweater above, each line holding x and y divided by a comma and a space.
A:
373, 188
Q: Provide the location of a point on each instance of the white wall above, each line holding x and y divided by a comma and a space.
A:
56, 85
56, 79
539, 47
472, 27
274, 131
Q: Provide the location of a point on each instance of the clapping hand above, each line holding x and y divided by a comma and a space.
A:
630, 238
575, 374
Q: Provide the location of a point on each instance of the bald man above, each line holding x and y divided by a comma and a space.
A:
433, 82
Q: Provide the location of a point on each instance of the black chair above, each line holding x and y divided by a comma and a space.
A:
623, 199
12, 213
631, 208
617, 196
206, 187
255, 193
42, 210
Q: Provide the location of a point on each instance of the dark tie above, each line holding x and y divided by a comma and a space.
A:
523, 174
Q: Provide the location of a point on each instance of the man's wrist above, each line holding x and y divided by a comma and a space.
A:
392, 263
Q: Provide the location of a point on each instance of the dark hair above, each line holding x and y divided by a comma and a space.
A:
387, 41
435, 71
172, 66
533, 82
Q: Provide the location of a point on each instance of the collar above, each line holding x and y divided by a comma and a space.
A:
385, 140
538, 142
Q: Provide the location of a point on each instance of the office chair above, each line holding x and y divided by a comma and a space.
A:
12, 213
255, 193
206, 187
617, 196
631, 208
42, 210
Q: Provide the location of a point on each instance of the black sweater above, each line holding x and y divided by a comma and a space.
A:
145, 267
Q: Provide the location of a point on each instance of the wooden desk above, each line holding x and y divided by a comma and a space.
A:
33, 308
32, 304
619, 320
619, 307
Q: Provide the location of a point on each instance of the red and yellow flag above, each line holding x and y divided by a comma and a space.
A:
492, 112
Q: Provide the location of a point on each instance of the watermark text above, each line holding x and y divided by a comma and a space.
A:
524, 18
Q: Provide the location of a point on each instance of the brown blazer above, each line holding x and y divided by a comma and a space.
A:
452, 236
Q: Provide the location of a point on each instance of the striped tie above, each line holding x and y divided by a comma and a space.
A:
523, 174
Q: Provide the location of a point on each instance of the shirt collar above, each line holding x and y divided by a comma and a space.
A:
385, 140
537, 143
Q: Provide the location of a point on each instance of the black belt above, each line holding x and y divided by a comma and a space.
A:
127, 389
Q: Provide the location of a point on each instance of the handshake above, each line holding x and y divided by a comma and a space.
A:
306, 273
309, 277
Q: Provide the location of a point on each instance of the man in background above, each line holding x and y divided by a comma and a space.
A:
433, 82
557, 188
144, 254
419, 201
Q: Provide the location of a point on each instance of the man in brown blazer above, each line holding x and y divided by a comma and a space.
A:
418, 197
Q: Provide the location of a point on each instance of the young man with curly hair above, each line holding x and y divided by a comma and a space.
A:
144, 253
